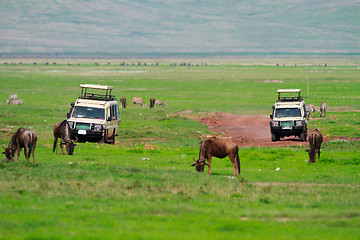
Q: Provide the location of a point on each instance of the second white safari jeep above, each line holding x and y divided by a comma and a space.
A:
289, 115
95, 115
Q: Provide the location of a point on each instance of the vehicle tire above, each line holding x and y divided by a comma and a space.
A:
303, 136
274, 137
104, 138
112, 139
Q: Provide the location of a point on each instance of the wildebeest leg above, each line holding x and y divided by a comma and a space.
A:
232, 158
33, 150
62, 145
318, 153
18, 153
209, 164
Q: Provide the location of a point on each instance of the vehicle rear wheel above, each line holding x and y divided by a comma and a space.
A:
112, 139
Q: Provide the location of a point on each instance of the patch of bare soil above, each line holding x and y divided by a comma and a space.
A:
246, 130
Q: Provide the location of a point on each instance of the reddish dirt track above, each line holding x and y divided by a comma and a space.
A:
246, 130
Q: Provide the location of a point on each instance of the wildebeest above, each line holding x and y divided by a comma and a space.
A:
217, 147
159, 103
315, 140
62, 131
11, 97
152, 102
22, 138
137, 100
123, 102
323, 108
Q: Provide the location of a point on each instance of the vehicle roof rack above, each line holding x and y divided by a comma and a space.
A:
296, 97
88, 93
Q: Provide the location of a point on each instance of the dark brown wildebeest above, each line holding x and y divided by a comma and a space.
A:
217, 147
22, 138
123, 102
62, 131
152, 102
323, 108
315, 140
159, 103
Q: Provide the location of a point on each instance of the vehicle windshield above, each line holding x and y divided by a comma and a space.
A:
89, 112
287, 112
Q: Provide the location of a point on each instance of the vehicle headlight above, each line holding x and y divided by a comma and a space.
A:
298, 123
71, 125
275, 124
97, 127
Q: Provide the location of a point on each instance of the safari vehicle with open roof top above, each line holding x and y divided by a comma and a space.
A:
95, 115
289, 115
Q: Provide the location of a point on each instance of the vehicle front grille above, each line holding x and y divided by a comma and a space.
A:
287, 123
82, 126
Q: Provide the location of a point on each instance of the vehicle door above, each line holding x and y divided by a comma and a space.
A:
113, 120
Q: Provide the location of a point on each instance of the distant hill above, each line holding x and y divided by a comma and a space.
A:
165, 27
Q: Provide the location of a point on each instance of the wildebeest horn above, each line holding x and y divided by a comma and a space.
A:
76, 139
194, 159
4, 147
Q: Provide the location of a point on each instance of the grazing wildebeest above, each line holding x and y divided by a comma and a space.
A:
159, 103
217, 147
315, 140
62, 131
152, 102
16, 102
137, 100
11, 97
22, 138
323, 108
123, 102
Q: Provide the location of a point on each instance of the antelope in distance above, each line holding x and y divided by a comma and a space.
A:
323, 108
137, 100
159, 103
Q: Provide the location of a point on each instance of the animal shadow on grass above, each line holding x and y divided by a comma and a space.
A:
239, 177
6, 163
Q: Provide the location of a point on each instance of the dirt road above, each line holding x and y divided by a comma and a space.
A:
246, 130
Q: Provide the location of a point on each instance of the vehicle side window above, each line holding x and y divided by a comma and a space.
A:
108, 113
114, 112
111, 113
304, 108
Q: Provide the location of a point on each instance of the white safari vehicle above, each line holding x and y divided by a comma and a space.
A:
289, 115
95, 115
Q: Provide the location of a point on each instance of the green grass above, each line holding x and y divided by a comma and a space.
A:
130, 192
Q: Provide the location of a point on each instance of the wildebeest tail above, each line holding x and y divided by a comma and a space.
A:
55, 142
31, 144
312, 141
237, 158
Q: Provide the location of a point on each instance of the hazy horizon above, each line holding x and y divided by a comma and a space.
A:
209, 28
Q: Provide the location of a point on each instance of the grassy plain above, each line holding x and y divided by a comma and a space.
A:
126, 191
